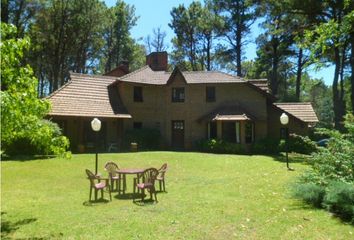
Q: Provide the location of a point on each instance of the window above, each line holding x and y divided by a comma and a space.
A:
138, 94
249, 132
210, 94
231, 132
212, 132
178, 94
137, 125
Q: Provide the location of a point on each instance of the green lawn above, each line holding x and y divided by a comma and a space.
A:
209, 197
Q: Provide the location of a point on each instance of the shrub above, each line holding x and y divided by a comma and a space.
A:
220, 146
266, 146
332, 169
45, 139
340, 199
298, 144
309, 193
146, 138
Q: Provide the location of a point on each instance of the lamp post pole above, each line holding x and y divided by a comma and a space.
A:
284, 120
96, 126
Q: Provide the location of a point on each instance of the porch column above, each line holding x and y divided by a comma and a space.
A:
219, 129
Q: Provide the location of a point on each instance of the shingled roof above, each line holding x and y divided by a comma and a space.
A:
146, 75
87, 96
261, 83
303, 111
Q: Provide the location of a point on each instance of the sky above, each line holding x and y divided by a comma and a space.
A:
156, 13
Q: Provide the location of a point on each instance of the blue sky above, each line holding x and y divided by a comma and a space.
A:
156, 13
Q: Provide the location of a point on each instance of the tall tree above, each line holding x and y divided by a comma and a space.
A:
274, 44
195, 27
119, 45
156, 43
330, 39
239, 16
67, 37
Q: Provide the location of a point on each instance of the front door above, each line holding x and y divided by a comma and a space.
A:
178, 135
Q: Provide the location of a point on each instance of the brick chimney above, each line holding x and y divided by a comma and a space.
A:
157, 61
119, 71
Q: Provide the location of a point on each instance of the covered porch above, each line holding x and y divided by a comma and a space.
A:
83, 139
234, 124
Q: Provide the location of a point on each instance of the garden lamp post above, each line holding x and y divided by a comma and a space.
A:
96, 126
284, 120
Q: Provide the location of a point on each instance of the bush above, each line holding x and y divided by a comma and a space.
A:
46, 139
309, 193
298, 144
266, 146
340, 199
332, 169
219, 146
146, 138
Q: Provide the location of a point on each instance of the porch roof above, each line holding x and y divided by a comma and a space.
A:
228, 113
87, 96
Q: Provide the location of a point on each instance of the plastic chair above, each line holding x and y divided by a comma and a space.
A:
96, 184
161, 177
112, 169
148, 178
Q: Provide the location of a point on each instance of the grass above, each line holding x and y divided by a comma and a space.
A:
209, 197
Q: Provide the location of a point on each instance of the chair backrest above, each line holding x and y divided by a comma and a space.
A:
91, 177
111, 168
163, 170
149, 175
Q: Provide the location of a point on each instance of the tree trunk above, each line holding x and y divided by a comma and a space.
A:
275, 62
336, 96
352, 70
298, 75
238, 51
5, 11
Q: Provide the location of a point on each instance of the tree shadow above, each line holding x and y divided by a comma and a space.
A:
92, 203
293, 158
148, 202
25, 158
128, 196
8, 227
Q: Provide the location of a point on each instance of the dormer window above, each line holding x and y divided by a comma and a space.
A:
138, 94
178, 94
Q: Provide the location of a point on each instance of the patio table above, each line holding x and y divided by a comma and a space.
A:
125, 171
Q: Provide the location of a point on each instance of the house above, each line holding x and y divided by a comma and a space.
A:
183, 106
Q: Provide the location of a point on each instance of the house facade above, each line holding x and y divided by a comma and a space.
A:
183, 106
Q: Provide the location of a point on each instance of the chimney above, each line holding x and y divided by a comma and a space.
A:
119, 71
157, 61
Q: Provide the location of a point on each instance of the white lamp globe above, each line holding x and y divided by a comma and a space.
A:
96, 124
284, 119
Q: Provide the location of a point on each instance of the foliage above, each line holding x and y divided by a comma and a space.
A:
196, 28
219, 146
340, 199
311, 193
21, 110
332, 168
146, 138
299, 144
266, 146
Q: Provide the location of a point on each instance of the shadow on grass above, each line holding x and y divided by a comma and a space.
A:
128, 196
293, 158
93, 203
8, 228
24, 158
144, 203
